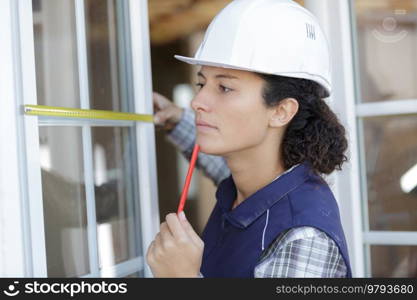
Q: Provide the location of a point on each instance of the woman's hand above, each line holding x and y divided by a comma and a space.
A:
167, 114
177, 250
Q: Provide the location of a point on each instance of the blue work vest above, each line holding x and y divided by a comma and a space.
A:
234, 239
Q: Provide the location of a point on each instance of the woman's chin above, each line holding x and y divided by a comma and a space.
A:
208, 148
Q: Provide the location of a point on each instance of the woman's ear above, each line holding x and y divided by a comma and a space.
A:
283, 113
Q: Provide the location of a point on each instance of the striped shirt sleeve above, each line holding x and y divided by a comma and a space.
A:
183, 137
301, 252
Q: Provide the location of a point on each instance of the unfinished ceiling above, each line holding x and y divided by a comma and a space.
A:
170, 20
174, 19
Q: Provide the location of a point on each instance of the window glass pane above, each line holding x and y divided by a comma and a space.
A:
107, 68
56, 53
114, 149
398, 261
136, 275
64, 201
116, 203
391, 170
386, 41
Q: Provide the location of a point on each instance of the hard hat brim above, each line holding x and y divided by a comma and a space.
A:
320, 80
194, 61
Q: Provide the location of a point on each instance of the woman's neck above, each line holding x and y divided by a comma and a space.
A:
253, 169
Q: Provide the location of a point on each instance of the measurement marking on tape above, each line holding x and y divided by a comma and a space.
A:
64, 112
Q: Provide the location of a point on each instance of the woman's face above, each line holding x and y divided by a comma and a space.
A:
230, 101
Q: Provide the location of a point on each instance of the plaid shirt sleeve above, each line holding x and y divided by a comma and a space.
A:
183, 137
301, 252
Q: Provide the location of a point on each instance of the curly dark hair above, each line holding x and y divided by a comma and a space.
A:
314, 134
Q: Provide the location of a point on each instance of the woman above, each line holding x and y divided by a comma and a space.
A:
260, 108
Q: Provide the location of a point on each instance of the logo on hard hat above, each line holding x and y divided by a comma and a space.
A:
311, 31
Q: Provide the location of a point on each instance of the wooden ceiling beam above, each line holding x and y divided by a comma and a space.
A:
169, 27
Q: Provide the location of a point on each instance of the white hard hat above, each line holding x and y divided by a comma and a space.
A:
277, 37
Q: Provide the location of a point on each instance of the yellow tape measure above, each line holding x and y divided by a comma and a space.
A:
51, 111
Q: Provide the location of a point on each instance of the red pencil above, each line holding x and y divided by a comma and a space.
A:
188, 179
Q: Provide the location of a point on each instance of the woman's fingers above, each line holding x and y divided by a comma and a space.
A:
176, 250
156, 100
175, 227
167, 114
150, 254
182, 230
178, 230
160, 101
150, 249
190, 230
158, 240
171, 114
166, 234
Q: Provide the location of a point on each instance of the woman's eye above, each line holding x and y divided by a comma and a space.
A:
225, 89
222, 87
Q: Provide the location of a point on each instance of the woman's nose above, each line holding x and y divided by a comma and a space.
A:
199, 103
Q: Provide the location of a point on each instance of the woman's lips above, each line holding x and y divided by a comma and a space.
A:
203, 126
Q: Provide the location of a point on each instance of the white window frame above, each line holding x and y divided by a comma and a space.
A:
338, 20
334, 16
22, 232
393, 108
12, 254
